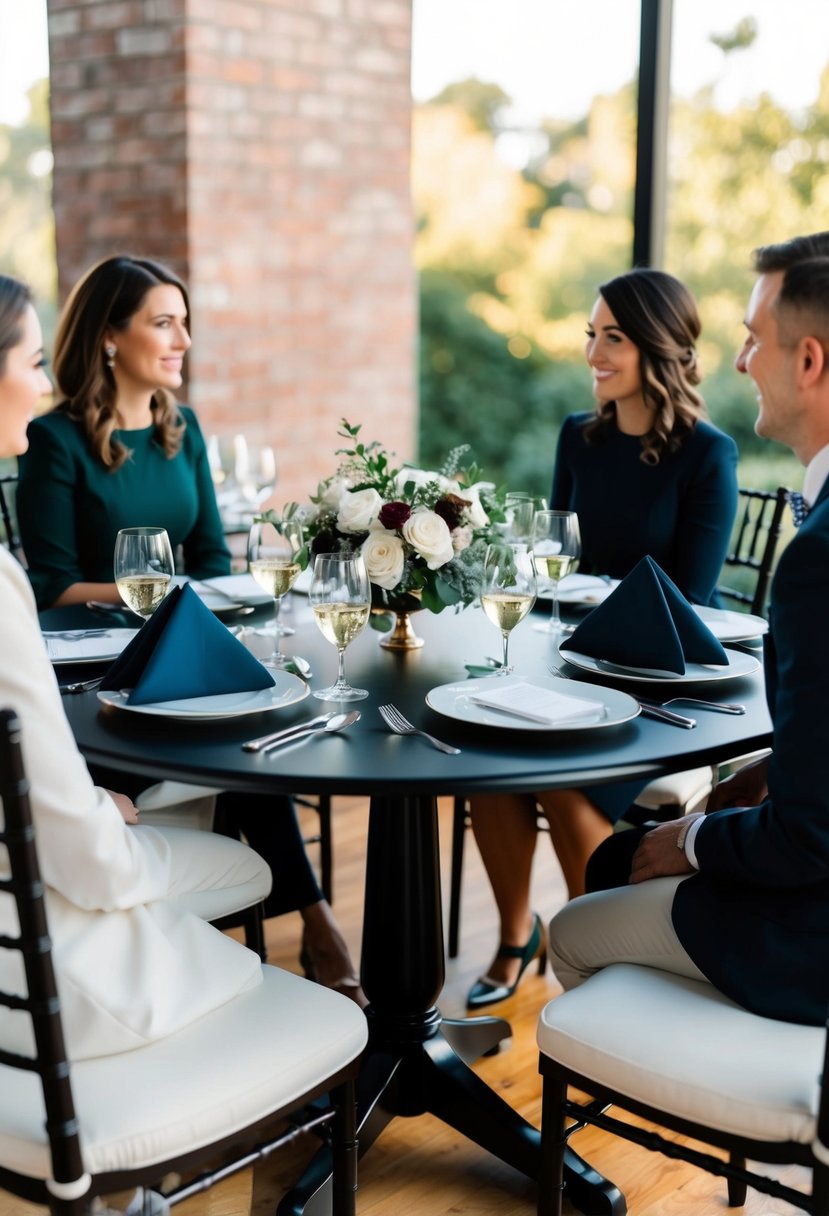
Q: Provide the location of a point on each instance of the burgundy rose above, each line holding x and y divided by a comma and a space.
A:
450, 509
393, 515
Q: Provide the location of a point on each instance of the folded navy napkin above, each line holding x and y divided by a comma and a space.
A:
646, 622
184, 651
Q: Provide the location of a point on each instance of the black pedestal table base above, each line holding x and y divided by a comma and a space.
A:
415, 1062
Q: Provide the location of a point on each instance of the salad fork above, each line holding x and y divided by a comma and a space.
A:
402, 726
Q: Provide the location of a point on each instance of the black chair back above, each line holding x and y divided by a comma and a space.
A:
756, 534
26, 887
8, 483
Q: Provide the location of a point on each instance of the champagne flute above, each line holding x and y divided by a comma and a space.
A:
143, 567
340, 596
507, 589
556, 544
273, 560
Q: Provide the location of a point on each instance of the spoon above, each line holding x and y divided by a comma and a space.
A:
338, 722
329, 721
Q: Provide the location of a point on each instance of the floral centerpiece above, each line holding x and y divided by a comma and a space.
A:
422, 534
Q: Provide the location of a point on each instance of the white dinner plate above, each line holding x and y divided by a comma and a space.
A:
730, 626
695, 673
228, 593
581, 590
287, 690
455, 701
86, 646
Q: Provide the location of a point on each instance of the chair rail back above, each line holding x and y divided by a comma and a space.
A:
756, 535
41, 1002
12, 539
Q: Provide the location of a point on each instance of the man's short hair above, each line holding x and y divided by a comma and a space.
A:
802, 304
769, 258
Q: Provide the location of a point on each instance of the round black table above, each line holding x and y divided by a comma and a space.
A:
417, 1061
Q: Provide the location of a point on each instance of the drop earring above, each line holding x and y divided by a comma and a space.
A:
110, 351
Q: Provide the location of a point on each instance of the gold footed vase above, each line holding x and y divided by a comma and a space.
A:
402, 636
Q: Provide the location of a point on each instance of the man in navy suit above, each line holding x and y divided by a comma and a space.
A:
739, 895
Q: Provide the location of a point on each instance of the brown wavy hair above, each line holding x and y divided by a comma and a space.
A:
659, 315
106, 299
14, 299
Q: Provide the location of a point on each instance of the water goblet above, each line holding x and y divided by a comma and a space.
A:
340, 596
508, 588
273, 560
143, 567
556, 545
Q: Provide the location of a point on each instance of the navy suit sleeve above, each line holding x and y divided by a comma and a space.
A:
705, 520
785, 841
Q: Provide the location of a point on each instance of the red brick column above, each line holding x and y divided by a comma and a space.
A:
262, 148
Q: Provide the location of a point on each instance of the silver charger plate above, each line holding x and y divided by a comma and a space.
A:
287, 690
454, 701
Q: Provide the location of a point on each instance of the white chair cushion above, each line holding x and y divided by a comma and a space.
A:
259, 1052
682, 1047
685, 789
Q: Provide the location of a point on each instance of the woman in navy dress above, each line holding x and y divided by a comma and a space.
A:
646, 474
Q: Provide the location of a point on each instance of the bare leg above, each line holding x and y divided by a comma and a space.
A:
505, 832
577, 827
325, 953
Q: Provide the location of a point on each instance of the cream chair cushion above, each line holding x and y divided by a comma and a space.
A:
682, 1047
255, 1054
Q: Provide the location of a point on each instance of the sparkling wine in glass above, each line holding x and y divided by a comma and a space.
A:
143, 567
340, 596
556, 545
508, 588
274, 561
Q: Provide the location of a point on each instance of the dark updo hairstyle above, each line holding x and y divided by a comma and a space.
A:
659, 315
15, 298
106, 299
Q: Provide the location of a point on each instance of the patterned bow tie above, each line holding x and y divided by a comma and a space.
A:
800, 507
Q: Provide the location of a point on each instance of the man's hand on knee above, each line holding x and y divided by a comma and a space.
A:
660, 852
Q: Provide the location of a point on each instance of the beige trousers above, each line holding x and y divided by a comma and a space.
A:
625, 925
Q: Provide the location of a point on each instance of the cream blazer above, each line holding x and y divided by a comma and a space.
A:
131, 965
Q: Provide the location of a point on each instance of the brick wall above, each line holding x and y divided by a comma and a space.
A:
262, 149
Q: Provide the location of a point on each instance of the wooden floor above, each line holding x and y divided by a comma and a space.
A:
418, 1167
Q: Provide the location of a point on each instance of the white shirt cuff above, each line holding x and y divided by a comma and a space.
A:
690, 837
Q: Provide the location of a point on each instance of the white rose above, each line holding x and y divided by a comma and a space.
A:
475, 513
384, 556
357, 509
461, 539
430, 536
330, 492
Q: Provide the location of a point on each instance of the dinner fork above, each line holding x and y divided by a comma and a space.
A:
82, 685
402, 726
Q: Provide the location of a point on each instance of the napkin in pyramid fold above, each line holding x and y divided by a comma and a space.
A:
646, 622
184, 651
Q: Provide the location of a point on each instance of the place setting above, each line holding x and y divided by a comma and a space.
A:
647, 631
502, 699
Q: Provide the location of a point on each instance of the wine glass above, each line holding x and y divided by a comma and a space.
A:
143, 567
254, 470
519, 509
556, 545
340, 596
507, 589
273, 560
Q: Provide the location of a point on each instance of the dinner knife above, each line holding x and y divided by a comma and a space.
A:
256, 745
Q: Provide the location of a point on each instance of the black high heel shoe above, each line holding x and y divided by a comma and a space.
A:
488, 992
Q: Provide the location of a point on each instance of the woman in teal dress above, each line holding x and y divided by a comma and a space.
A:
647, 475
118, 451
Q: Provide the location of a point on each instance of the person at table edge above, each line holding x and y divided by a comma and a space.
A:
646, 474
739, 895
